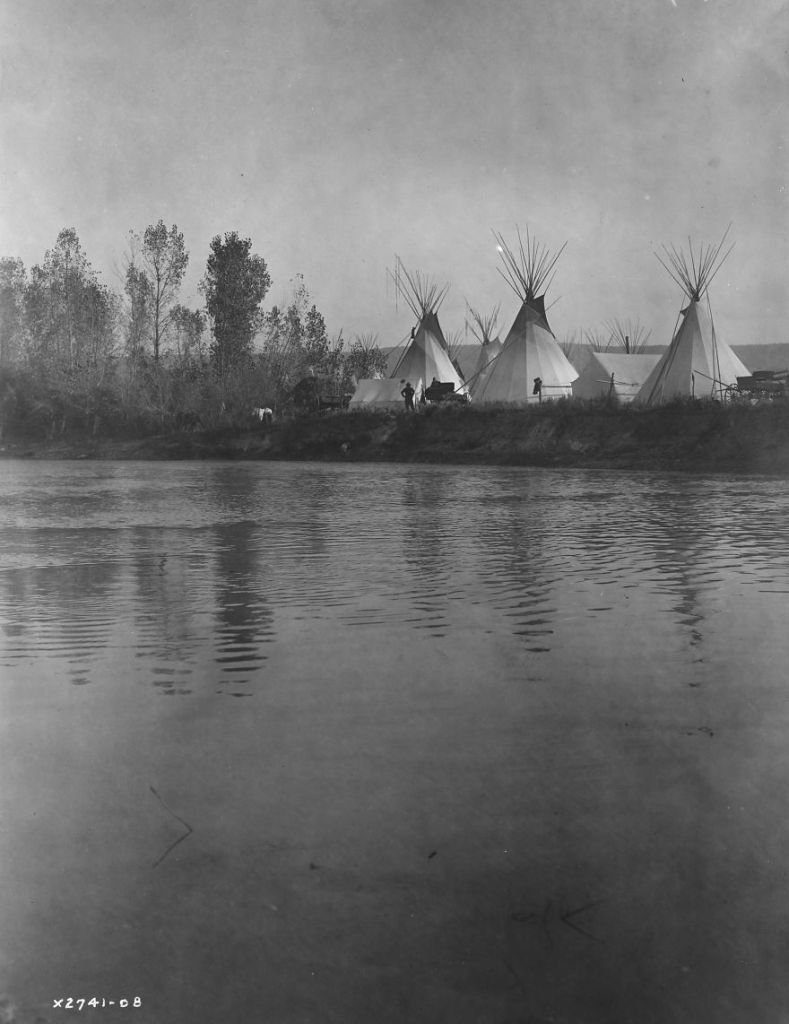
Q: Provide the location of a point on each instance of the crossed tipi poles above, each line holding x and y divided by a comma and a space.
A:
695, 350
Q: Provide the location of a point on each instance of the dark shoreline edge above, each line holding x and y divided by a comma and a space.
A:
685, 436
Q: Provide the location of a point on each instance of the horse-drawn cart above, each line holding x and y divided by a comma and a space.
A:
319, 394
444, 392
764, 384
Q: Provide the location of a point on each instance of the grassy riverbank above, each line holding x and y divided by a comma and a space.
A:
696, 436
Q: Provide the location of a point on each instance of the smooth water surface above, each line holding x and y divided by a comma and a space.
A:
348, 743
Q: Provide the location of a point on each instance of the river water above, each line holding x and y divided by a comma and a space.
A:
300, 743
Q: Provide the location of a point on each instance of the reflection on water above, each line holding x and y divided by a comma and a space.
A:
59, 611
141, 566
244, 620
489, 714
199, 568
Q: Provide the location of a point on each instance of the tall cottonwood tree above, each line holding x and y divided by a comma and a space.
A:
70, 315
235, 284
70, 328
153, 279
138, 314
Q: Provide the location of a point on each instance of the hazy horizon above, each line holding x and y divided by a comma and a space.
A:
336, 134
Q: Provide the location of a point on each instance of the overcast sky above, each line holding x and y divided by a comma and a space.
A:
336, 133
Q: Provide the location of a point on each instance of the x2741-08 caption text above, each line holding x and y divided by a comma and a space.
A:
94, 1003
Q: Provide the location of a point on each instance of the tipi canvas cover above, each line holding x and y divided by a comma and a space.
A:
697, 363
614, 374
487, 353
482, 327
427, 357
530, 350
379, 394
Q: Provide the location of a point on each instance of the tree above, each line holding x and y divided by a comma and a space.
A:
138, 291
165, 259
323, 356
280, 355
70, 315
70, 320
283, 339
316, 341
296, 345
188, 327
13, 281
235, 283
155, 269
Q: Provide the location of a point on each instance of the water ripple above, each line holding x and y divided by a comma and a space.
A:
199, 570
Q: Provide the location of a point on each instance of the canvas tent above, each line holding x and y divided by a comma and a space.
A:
426, 355
486, 356
482, 327
380, 394
613, 374
697, 363
628, 335
530, 349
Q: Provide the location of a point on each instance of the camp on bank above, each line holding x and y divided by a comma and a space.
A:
530, 365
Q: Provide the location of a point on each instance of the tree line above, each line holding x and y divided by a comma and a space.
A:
76, 356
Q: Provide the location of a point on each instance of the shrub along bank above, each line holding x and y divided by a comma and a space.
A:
689, 435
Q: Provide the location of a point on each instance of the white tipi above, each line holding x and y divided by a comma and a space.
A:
426, 356
482, 327
697, 363
628, 336
613, 375
531, 365
615, 365
377, 393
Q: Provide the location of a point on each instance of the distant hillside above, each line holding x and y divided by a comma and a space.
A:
755, 357
764, 357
